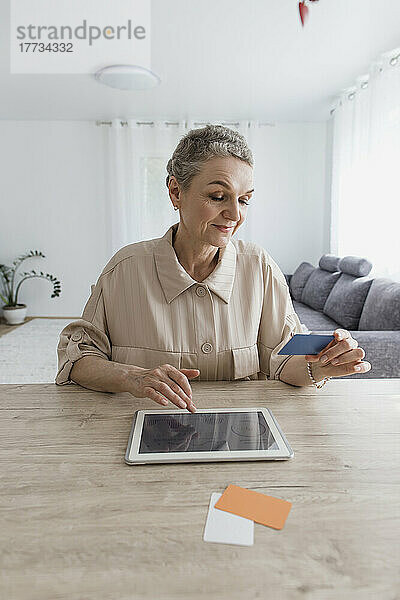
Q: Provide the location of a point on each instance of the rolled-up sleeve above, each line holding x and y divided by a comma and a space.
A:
278, 323
83, 337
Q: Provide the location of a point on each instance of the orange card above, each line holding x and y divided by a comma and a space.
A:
263, 509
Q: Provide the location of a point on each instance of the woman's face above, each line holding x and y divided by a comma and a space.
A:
216, 203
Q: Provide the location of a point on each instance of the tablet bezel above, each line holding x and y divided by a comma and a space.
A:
132, 456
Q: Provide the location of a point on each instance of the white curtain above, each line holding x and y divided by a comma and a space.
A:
139, 206
366, 168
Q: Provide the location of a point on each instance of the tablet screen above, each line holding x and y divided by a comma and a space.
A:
206, 432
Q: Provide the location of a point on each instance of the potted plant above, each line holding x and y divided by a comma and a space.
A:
14, 313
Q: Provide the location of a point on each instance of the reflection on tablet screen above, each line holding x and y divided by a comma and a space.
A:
206, 432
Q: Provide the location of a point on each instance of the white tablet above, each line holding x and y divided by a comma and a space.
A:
208, 435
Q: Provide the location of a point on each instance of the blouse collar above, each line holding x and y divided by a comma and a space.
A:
175, 280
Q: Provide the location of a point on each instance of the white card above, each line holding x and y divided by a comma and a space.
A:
226, 528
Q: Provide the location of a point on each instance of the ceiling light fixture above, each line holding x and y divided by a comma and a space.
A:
127, 77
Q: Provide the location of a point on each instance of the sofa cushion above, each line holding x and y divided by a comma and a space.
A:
329, 262
346, 300
318, 288
381, 309
354, 265
299, 279
312, 319
381, 350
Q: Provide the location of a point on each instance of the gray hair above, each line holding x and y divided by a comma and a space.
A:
199, 145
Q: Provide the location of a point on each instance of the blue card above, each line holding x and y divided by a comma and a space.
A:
306, 343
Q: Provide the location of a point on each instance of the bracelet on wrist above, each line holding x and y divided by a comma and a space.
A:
321, 383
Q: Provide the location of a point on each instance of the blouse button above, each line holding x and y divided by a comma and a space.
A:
200, 291
76, 336
207, 348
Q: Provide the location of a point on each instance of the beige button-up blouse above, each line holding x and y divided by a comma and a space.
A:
146, 310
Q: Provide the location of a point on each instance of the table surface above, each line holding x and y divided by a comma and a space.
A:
78, 523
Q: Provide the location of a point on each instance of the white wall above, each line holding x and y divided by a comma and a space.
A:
292, 182
53, 199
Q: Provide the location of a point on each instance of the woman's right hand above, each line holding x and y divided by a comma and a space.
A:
164, 383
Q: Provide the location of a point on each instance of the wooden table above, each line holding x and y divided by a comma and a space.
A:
78, 523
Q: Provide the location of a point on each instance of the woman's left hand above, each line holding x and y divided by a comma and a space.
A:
342, 357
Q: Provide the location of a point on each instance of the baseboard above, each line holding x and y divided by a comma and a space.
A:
2, 319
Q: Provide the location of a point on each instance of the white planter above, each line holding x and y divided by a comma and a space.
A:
14, 314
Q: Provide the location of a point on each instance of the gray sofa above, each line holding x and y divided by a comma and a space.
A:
339, 293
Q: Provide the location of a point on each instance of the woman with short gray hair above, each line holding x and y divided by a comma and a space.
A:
200, 145
197, 302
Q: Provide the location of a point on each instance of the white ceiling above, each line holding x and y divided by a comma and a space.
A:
223, 59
